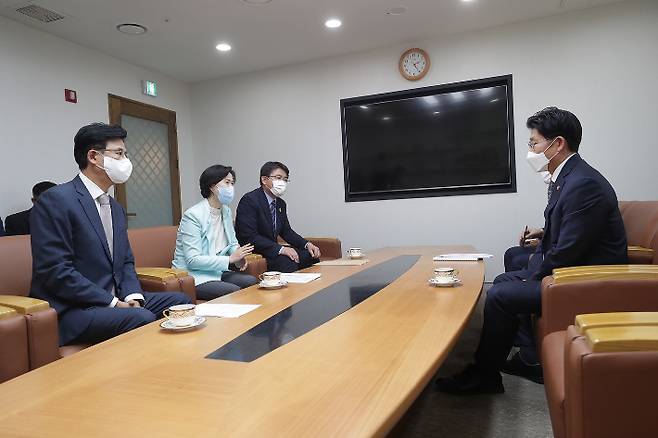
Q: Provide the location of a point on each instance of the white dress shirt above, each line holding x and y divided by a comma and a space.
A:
558, 169
95, 193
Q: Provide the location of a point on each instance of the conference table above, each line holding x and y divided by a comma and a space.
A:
343, 355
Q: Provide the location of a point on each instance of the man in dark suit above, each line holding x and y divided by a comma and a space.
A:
19, 223
82, 261
262, 217
583, 226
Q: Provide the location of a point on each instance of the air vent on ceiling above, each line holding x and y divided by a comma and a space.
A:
39, 13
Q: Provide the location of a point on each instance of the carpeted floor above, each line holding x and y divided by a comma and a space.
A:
520, 412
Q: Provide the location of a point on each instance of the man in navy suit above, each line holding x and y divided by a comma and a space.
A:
18, 224
262, 217
82, 261
583, 226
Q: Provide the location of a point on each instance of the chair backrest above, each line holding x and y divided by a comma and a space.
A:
153, 247
641, 224
16, 266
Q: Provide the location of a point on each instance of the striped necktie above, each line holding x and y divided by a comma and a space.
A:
550, 189
273, 213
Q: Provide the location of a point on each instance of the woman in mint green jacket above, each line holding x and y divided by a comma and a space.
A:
206, 245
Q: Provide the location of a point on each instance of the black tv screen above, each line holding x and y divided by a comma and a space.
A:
453, 139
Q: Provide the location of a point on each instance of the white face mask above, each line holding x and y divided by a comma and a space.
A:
539, 162
546, 175
278, 187
117, 170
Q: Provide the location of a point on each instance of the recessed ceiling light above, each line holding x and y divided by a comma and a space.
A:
468, 1
223, 47
256, 2
333, 23
396, 10
131, 28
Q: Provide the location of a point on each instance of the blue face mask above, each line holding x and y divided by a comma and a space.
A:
225, 195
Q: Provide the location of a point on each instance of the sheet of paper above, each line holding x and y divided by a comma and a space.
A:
300, 278
224, 310
456, 257
343, 262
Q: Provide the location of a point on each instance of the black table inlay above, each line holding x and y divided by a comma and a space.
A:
313, 311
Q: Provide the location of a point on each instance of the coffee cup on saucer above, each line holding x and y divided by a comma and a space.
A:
355, 253
445, 275
270, 278
181, 315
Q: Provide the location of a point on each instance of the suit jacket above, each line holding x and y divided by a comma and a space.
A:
583, 223
2, 229
253, 224
195, 252
72, 267
18, 224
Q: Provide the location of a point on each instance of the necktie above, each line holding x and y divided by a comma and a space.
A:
106, 219
273, 213
550, 189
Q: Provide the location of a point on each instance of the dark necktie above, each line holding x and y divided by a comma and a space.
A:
550, 189
273, 213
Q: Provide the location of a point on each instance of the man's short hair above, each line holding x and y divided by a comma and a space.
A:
94, 136
41, 187
271, 166
552, 122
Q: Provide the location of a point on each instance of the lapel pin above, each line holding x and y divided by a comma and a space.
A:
557, 188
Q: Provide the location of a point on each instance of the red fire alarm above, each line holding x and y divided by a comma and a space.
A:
70, 96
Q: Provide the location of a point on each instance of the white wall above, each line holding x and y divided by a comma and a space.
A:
601, 64
37, 126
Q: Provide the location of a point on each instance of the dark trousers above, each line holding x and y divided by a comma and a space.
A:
509, 301
108, 322
283, 263
516, 258
231, 282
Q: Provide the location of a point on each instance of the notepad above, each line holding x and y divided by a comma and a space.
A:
461, 257
343, 262
224, 310
300, 278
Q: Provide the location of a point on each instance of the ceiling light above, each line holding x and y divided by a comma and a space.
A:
468, 1
397, 10
256, 2
131, 28
333, 23
223, 47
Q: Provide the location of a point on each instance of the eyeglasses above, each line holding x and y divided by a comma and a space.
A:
119, 153
279, 178
532, 145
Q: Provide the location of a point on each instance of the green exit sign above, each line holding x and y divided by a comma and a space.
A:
150, 88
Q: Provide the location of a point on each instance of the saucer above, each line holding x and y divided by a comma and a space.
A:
449, 283
198, 320
281, 284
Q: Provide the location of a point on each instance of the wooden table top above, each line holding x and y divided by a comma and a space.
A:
355, 375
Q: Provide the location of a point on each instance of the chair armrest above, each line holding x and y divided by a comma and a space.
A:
562, 301
257, 265
13, 344
330, 247
24, 305
166, 280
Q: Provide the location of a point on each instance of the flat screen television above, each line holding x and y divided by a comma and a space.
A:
453, 139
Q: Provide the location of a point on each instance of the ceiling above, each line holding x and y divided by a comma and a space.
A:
182, 34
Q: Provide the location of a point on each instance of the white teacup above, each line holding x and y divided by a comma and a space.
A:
445, 274
180, 315
271, 278
355, 253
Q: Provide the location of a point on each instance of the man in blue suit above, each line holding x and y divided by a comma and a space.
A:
583, 226
262, 217
82, 261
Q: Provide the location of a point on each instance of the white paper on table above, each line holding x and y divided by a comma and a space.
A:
224, 310
462, 257
300, 278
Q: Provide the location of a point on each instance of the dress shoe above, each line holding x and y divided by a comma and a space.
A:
516, 367
471, 381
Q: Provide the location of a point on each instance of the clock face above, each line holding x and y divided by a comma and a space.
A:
414, 64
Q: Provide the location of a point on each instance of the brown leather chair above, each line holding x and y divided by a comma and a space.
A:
641, 224
600, 394
14, 359
154, 248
